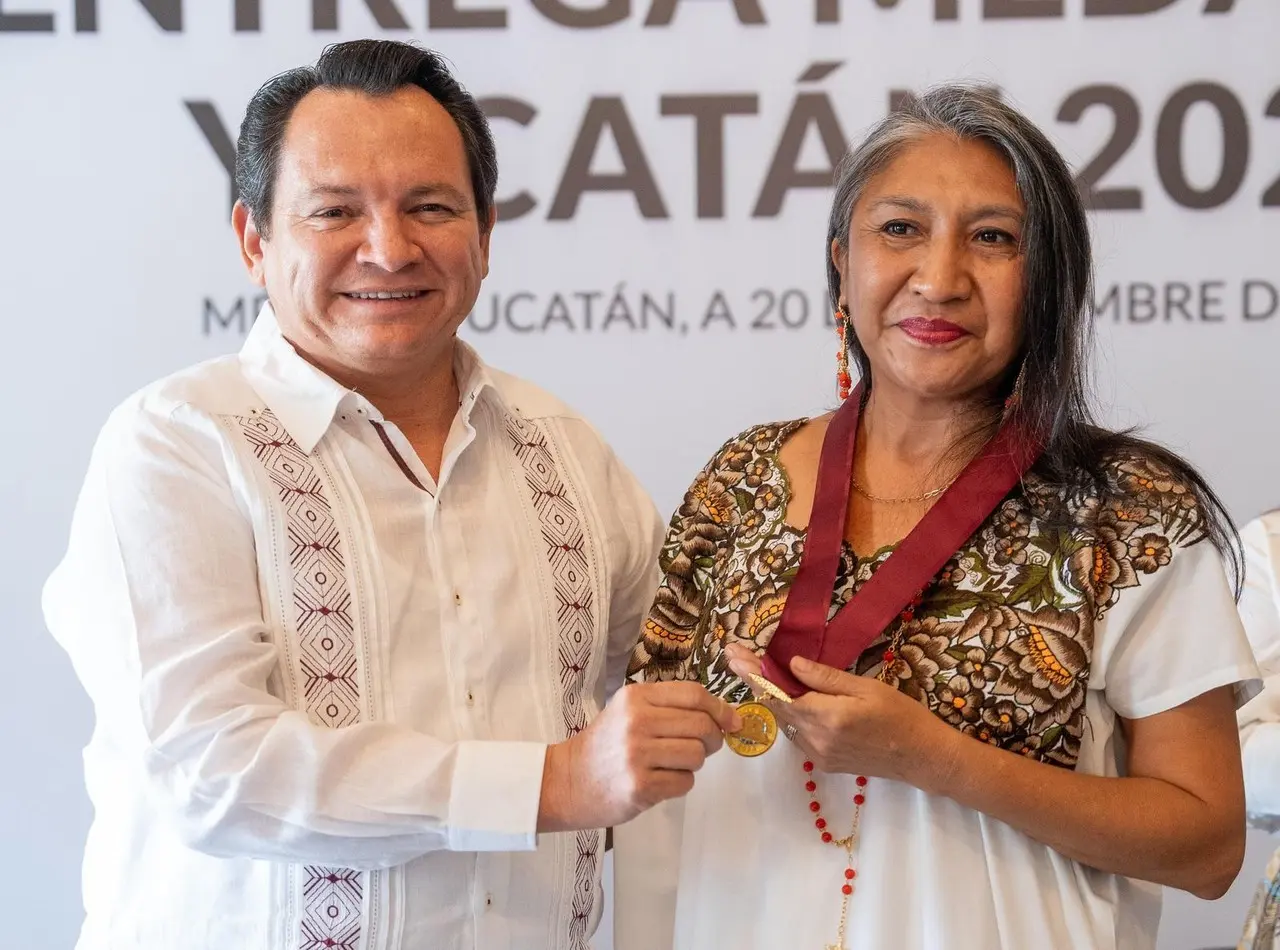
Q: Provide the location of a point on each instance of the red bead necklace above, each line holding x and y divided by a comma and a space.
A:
849, 842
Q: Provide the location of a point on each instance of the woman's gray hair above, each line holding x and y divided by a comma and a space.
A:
1057, 307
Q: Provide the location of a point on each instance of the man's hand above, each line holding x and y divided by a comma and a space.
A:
642, 750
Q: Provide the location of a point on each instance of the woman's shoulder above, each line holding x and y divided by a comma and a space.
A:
1150, 477
742, 486
740, 450
1139, 487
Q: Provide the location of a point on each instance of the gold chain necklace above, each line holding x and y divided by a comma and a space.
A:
901, 501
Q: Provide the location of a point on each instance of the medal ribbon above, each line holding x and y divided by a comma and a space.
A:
957, 514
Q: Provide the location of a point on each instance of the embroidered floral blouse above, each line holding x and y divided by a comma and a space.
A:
1034, 637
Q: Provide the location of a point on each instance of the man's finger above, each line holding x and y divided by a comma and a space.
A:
665, 723
669, 783
682, 755
693, 696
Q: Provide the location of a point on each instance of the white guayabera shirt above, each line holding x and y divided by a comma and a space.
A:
325, 682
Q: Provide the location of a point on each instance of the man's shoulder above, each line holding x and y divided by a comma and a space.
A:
572, 429
214, 387
530, 400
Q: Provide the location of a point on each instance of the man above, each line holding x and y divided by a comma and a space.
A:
348, 604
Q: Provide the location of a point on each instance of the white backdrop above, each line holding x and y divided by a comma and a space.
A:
666, 274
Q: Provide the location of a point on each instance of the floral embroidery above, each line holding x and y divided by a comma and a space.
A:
959, 703
1000, 720
923, 659
1045, 665
1149, 552
1000, 645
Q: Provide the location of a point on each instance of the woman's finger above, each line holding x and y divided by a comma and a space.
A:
745, 665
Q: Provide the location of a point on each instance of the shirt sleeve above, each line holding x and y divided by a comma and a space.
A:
637, 577
1173, 638
668, 644
157, 603
1260, 718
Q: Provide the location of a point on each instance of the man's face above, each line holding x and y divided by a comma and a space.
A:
376, 252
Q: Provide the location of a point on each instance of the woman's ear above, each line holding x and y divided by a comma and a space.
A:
839, 260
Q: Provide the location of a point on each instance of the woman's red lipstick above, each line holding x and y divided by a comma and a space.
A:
931, 332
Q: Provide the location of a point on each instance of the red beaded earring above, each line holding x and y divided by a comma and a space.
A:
844, 383
1015, 397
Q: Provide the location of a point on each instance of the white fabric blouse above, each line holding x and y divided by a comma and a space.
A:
1036, 638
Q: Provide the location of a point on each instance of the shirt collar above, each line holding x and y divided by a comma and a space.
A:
474, 378
306, 400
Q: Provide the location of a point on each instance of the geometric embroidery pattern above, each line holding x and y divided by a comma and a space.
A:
333, 898
334, 902
562, 532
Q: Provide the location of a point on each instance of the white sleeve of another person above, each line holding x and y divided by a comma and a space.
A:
1260, 718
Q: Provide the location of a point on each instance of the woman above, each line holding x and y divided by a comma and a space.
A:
1260, 719
959, 786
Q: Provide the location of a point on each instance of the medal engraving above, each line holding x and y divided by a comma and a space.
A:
758, 733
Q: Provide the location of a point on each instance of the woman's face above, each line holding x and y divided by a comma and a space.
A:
932, 277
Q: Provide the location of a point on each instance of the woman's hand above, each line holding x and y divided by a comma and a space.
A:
858, 725
1175, 818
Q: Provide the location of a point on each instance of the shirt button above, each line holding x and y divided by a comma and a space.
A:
471, 698
488, 901
457, 598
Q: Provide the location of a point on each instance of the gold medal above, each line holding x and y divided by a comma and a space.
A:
758, 732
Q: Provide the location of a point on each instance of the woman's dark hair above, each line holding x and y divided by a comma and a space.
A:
376, 68
1057, 307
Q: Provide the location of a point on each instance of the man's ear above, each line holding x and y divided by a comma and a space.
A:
485, 234
250, 241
